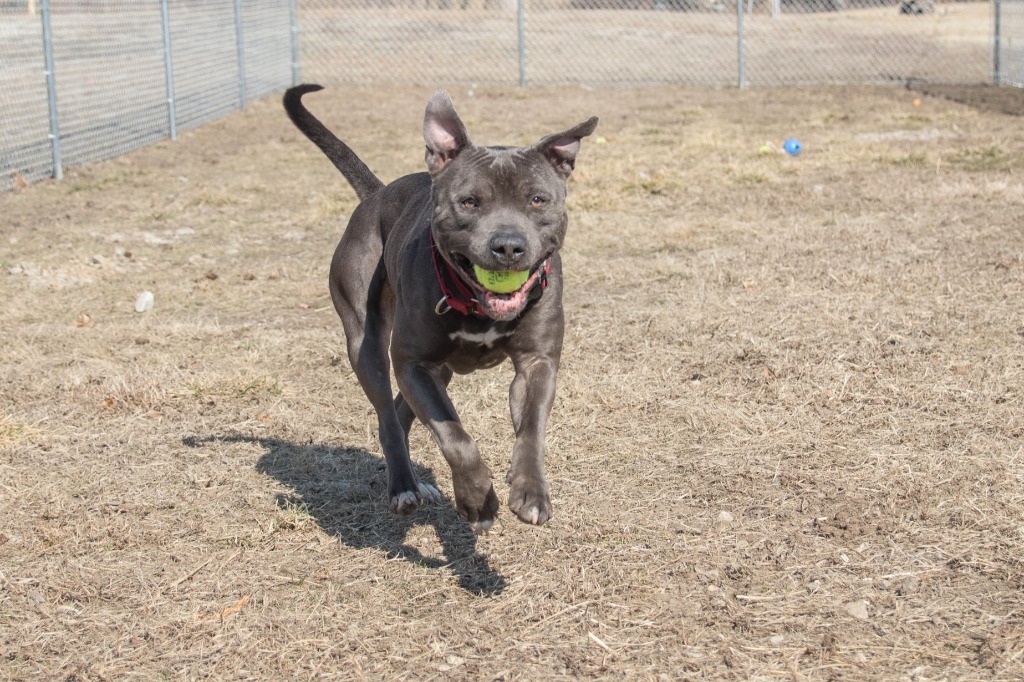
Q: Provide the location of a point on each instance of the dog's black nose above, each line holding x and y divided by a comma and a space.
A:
508, 248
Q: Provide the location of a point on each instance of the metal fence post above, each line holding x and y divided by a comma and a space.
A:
241, 53
169, 70
997, 76
741, 66
293, 17
51, 89
521, 28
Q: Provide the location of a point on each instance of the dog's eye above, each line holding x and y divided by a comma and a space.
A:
470, 202
538, 200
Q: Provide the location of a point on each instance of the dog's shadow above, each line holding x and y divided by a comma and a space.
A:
344, 490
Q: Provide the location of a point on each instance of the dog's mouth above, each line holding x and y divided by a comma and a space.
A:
498, 306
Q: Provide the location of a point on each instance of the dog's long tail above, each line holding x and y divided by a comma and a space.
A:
362, 179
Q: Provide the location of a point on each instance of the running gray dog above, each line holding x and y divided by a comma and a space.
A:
408, 274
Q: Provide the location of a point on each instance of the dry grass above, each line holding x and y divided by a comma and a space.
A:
787, 442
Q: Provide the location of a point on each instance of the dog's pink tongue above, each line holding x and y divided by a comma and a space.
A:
503, 308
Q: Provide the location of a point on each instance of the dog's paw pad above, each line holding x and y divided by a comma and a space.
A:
428, 493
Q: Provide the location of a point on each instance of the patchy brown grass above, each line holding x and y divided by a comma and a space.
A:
787, 442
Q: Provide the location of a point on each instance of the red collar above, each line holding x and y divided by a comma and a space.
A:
456, 294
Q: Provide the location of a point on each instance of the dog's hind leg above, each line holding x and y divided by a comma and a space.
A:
406, 417
367, 333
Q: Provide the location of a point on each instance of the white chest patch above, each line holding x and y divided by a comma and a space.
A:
486, 338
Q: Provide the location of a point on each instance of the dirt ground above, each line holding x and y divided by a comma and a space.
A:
787, 442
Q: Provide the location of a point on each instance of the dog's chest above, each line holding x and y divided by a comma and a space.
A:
486, 338
477, 349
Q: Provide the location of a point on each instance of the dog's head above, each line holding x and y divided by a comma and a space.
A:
497, 208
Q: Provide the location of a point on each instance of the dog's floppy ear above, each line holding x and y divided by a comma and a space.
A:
561, 148
443, 132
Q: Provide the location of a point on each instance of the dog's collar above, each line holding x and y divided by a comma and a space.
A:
456, 294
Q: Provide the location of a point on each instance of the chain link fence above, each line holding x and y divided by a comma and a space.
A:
626, 42
83, 80
1009, 43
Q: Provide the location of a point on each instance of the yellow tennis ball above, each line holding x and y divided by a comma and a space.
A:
501, 281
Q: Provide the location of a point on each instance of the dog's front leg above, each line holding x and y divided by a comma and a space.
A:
424, 391
530, 399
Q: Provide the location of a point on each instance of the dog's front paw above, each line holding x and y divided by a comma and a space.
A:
408, 501
475, 499
529, 500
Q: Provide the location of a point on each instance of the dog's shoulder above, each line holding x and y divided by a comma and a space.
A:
402, 200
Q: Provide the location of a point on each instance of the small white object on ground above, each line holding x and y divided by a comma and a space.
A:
858, 609
144, 302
